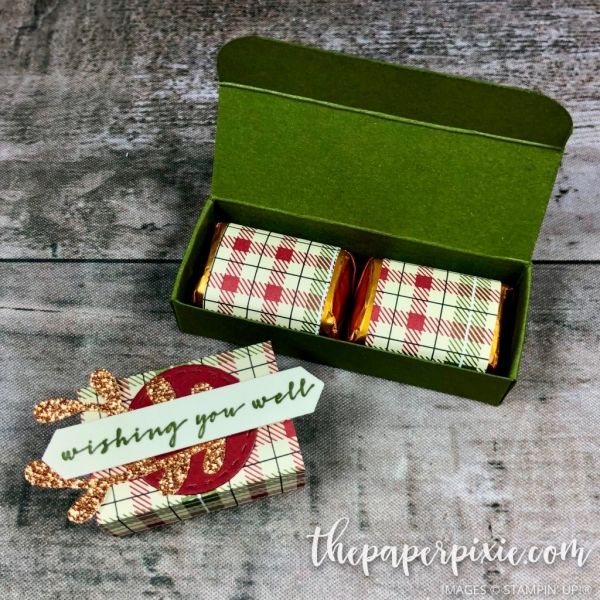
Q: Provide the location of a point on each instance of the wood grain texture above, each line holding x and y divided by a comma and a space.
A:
404, 464
107, 108
106, 140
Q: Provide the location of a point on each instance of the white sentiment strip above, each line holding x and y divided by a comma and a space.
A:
169, 426
469, 320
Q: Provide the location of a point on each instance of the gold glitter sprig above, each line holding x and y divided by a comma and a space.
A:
85, 507
160, 390
104, 383
175, 467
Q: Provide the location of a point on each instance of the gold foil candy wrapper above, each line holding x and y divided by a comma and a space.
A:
364, 298
200, 289
338, 295
506, 293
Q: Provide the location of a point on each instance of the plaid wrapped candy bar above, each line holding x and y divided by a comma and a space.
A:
275, 279
429, 313
273, 466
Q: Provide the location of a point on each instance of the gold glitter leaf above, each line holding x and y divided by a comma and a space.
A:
106, 385
214, 456
56, 409
175, 467
39, 473
160, 390
175, 474
87, 505
201, 387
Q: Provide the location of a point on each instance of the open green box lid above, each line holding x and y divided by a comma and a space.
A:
409, 153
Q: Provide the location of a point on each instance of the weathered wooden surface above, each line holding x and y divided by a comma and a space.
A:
404, 464
106, 128
108, 108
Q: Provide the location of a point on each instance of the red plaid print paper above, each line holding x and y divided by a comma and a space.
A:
274, 466
272, 278
434, 314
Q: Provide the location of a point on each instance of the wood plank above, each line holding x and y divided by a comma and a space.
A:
404, 464
107, 109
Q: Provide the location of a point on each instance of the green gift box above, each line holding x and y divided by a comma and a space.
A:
386, 161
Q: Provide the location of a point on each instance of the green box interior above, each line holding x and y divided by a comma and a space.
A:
384, 161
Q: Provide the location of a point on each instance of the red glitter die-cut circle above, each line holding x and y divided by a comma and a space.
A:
238, 447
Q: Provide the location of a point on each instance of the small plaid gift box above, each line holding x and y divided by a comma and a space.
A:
276, 279
429, 313
173, 486
274, 465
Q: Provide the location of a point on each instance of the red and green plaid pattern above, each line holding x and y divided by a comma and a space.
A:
434, 314
272, 278
274, 466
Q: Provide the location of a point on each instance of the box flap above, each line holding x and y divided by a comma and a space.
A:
402, 151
